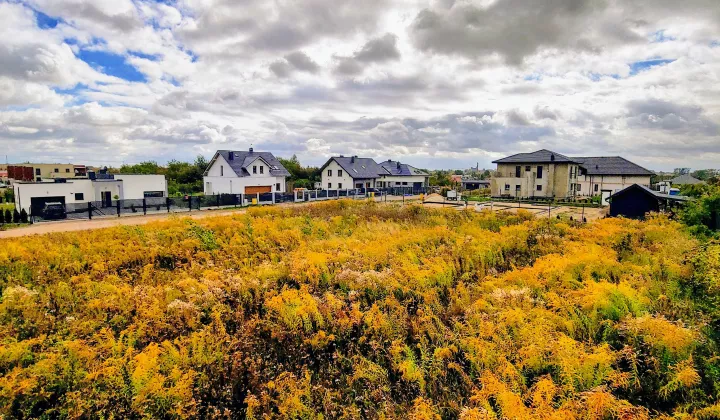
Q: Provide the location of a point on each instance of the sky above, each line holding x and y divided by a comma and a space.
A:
437, 84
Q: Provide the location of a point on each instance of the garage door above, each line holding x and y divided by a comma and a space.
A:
258, 190
37, 204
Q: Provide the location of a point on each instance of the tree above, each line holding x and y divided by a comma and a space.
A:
16, 216
143, 168
8, 216
23, 216
9, 195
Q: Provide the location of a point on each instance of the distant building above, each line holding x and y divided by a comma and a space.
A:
42, 171
475, 184
244, 172
350, 172
635, 201
608, 175
685, 179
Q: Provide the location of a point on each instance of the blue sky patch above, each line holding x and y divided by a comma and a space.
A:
44, 21
151, 57
660, 36
112, 65
639, 66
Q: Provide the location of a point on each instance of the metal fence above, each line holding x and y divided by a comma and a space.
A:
150, 205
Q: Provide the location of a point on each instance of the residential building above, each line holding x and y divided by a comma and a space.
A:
103, 188
636, 201
608, 174
244, 172
685, 179
355, 172
42, 171
475, 184
538, 174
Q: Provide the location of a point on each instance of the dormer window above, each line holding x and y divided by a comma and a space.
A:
262, 168
222, 170
254, 169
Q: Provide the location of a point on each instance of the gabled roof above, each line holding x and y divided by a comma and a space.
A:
685, 180
240, 160
396, 168
357, 167
610, 165
648, 191
540, 156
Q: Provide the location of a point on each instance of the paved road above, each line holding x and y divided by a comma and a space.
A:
77, 225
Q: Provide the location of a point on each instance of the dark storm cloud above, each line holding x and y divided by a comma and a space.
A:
668, 116
378, 50
302, 62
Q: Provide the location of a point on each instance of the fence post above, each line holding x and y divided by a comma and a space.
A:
257, 195
118, 207
144, 206
89, 210
189, 202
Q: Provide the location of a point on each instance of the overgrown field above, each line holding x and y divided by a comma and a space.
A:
361, 310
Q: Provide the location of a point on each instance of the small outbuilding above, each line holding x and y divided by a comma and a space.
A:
635, 201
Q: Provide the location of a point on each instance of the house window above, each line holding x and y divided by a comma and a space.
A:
277, 187
339, 172
37, 171
577, 187
517, 171
404, 183
57, 170
67, 170
539, 171
339, 185
329, 172
507, 187
254, 169
538, 188
262, 168
222, 170
597, 187
79, 197
517, 188
527, 168
329, 185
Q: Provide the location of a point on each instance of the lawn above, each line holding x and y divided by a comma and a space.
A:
361, 310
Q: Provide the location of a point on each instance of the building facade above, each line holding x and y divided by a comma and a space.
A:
355, 172
244, 172
607, 175
44, 171
537, 174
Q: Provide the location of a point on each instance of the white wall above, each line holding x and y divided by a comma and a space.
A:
89, 189
410, 180
346, 180
224, 185
135, 186
612, 183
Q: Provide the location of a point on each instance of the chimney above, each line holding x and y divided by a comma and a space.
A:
231, 155
251, 150
398, 165
552, 157
352, 159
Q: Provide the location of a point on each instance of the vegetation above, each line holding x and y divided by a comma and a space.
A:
301, 176
702, 215
361, 310
183, 177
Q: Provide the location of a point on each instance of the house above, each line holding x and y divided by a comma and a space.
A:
102, 188
636, 201
355, 172
475, 184
402, 175
538, 174
685, 179
41, 171
608, 175
244, 172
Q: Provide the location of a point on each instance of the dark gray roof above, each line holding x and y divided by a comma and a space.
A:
610, 165
396, 168
240, 161
541, 156
475, 181
685, 180
656, 194
357, 167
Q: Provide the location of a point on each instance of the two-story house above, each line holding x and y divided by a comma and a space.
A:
608, 175
244, 172
355, 172
538, 174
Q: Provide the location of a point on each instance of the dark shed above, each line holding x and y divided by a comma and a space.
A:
636, 201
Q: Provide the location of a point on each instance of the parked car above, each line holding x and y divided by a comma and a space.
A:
54, 211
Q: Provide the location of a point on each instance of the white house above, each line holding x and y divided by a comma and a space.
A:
32, 196
355, 172
244, 172
607, 175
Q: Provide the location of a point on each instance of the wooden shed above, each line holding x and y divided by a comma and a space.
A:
635, 201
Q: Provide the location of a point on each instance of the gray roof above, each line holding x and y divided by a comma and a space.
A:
240, 161
475, 181
656, 194
541, 156
685, 180
396, 168
610, 165
367, 168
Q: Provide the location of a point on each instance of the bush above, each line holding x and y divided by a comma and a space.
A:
8, 216
23, 216
16, 216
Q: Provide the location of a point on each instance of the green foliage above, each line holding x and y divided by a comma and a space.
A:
8, 216
703, 214
301, 176
9, 195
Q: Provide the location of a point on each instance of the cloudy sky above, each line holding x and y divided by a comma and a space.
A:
439, 84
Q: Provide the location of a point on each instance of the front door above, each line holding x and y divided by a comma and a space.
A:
106, 199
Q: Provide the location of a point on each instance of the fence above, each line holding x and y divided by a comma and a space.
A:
150, 205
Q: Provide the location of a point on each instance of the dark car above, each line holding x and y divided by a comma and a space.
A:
54, 211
